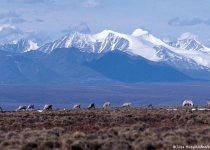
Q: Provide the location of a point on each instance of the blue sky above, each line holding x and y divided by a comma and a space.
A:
48, 20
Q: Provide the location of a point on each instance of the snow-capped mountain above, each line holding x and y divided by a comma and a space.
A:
177, 60
184, 54
23, 45
190, 44
102, 42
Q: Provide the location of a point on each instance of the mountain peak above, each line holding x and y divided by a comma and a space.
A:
27, 44
105, 33
188, 41
139, 32
20, 46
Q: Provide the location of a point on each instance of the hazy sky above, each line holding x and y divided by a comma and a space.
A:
47, 20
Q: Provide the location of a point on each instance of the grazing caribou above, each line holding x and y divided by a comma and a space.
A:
187, 103
127, 105
23, 107
106, 105
30, 107
48, 107
76, 106
91, 106
208, 103
150, 106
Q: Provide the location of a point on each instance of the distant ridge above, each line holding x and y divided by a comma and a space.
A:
118, 66
68, 66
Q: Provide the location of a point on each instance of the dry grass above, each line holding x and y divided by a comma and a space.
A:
101, 129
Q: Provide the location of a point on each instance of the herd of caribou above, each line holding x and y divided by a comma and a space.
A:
92, 106
50, 106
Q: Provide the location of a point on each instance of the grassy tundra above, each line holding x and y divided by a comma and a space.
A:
104, 129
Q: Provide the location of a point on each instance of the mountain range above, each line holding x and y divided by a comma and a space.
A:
108, 56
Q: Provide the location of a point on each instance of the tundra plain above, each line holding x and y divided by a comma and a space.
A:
133, 128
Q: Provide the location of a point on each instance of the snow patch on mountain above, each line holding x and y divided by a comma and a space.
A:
112, 42
176, 60
132, 44
23, 45
31, 46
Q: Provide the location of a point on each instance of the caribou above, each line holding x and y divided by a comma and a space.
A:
91, 106
48, 107
76, 106
23, 107
208, 103
150, 106
127, 105
106, 105
187, 103
30, 107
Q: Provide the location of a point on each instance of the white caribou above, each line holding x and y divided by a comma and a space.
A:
208, 103
22, 107
127, 105
77, 106
106, 105
187, 103
91, 106
48, 107
30, 107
